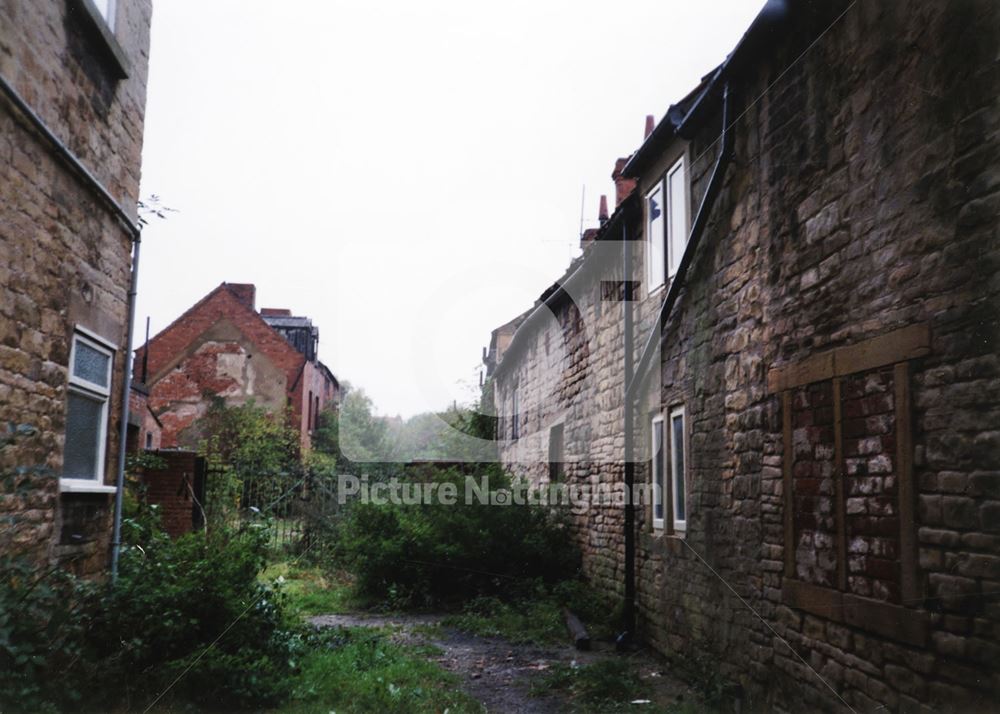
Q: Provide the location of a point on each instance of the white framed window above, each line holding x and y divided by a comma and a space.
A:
678, 469
106, 9
666, 225
658, 470
677, 221
655, 244
87, 397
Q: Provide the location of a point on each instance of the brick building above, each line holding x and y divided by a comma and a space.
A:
812, 244
72, 103
223, 348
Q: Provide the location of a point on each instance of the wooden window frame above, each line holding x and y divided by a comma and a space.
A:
895, 348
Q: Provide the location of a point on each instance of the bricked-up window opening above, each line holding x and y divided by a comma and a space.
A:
87, 410
556, 455
813, 484
849, 498
677, 471
852, 420
871, 485
658, 470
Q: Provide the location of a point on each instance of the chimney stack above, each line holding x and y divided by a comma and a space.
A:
623, 186
246, 293
650, 125
602, 213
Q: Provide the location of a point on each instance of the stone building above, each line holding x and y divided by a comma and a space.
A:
814, 250
72, 103
223, 348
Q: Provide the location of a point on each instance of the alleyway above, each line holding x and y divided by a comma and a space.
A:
501, 675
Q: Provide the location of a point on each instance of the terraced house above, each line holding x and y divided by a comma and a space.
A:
72, 102
787, 330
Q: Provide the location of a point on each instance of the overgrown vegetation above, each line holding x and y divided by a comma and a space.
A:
605, 686
187, 618
538, 617
309, 589
432, 555
363, 670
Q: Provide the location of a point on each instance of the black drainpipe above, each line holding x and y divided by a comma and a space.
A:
635, 378
628, 611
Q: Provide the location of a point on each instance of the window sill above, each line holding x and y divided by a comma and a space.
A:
79, 485
883, 618
107, 37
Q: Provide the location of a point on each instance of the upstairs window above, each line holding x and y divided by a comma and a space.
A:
86, 411
666, 225
106, 9
655, 223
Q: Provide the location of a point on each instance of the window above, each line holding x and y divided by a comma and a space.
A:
86, 411
678, 479
149, 440
668, 470
677, 210
666, 225
658, 470
556, 456
106, 9
654, 238
515, 417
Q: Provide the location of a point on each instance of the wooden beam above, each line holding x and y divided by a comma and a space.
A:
896, 346
909, 576
840, 507
786, 483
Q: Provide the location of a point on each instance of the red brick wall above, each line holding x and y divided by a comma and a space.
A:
180, 396
172, 488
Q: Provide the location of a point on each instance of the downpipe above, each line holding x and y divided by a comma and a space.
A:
635, 375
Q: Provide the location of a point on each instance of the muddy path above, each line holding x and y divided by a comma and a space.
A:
500, 674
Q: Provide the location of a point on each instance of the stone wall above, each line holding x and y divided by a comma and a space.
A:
64, 259
835, 349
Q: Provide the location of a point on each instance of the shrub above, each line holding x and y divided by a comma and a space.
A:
430, 554
190, 610
41, 633
194, 606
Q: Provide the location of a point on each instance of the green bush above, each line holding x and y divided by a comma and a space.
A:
430, 555
174, 599
190, 610
42, 627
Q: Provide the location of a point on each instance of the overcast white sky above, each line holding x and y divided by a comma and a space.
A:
407, 174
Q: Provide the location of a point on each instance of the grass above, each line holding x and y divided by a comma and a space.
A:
362, 670
310, 591
609, 685
537, 619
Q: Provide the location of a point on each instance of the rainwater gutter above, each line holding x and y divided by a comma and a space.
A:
134, 232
